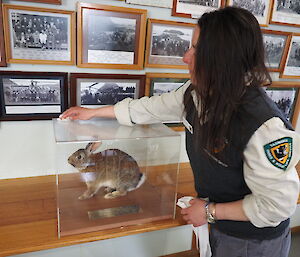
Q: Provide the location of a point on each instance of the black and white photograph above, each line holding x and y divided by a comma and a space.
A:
111, 40
288, 6
36, 32
170, 41
284, 98
96, 90
286, 12
27, 96
275, 45
256, 7
31, 92
110, 36
156, 3
210, 3
106, 92
159, 83
259, 8
40, 36
195, 8
160, 88
167, 43
294, 57
292, 67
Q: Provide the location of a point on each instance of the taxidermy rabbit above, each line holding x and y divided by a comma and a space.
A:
113, 169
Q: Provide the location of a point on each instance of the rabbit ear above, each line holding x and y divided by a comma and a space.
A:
92, 147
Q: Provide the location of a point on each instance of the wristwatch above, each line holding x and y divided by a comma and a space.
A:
210, 209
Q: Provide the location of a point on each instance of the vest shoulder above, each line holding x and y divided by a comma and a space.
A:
255, 109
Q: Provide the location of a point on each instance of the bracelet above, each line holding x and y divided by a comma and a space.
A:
210, 212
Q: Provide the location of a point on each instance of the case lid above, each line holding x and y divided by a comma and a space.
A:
106, 129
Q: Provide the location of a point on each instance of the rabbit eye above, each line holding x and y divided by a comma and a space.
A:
79, 157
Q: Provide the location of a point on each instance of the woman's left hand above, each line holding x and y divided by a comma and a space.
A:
195, 214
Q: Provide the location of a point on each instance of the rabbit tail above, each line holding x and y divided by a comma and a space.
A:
141, 182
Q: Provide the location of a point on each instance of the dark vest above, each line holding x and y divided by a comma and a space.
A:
220, 176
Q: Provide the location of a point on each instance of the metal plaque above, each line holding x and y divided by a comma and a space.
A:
114, 212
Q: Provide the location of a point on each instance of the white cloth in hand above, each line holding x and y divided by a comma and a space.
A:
201, 232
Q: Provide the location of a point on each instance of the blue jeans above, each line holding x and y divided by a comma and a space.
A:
223, 245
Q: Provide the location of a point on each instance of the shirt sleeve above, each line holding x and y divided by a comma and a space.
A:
147, 110
275, 187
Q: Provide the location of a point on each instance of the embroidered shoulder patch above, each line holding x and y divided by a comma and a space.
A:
279, 152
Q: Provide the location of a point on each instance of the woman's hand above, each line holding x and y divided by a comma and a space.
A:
195, 214
78, 113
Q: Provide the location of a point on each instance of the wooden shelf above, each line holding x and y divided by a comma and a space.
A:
28, 216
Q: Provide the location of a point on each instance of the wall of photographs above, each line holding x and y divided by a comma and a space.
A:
112, 36
55, 54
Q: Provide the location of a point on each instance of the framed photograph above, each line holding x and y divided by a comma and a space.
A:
195, 8
38, 35
276, 48
167, 42
286, 96
286, 12
96, 90
292, 60
32, 95
44, 1
261, 9
110, 37
156, 3
159, 83
2, 49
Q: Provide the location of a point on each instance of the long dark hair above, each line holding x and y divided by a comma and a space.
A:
229, 57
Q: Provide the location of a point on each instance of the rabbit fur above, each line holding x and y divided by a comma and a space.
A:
113, 169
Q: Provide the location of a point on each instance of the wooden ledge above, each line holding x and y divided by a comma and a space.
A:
28, 220
28, 215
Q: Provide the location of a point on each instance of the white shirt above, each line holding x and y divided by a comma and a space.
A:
274, 191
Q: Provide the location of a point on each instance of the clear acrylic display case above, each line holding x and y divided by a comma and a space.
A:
121, 176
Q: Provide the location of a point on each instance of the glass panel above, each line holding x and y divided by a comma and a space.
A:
111, 176
105, 129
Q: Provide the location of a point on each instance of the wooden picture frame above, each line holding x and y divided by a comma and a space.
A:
33, 95
57, 2
286, 95
261, 9
39, 35
167, 42
155, 3
182, 8
2, 47
285, 13
276, 48
117, 44
96, 90
158, 83
291, 67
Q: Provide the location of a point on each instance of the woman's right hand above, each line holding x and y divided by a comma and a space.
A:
78, 113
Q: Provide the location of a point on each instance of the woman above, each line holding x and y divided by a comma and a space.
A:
242, 150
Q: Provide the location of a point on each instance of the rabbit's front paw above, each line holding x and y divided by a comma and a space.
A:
85, 195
